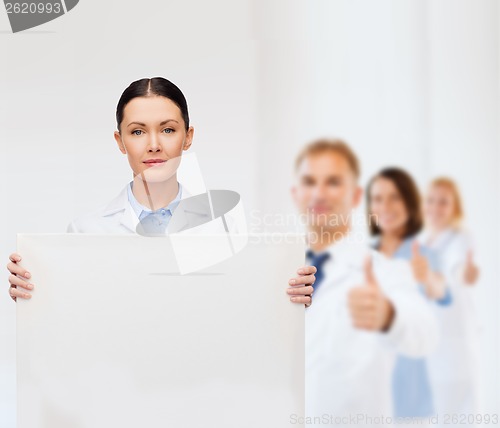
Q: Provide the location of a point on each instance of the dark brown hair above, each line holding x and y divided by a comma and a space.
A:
147, 87
409, 193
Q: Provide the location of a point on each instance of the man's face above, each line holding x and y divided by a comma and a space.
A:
326, 190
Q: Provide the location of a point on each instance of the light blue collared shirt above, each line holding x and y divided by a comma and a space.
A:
164, 214
411, 388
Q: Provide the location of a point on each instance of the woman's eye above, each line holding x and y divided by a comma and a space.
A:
137, 132
168, 130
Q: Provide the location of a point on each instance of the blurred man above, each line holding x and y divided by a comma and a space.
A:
366, 308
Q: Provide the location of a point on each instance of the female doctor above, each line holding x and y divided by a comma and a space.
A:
153, 132
394, 200
453, 366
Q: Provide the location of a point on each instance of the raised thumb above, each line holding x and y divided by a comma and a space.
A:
415, 249
368, 272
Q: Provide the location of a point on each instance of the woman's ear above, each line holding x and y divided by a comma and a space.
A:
189, 138
121, 145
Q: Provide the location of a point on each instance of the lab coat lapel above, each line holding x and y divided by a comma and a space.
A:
121, 207
128, 218
347, 259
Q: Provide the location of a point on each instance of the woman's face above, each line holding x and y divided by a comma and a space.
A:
387, 207
439, 207
153, 136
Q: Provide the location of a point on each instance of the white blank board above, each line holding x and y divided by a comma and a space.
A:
114, 337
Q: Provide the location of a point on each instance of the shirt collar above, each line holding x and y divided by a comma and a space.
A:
140, 209
347, 253
404, 247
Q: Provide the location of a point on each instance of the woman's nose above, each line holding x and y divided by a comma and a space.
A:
154, 144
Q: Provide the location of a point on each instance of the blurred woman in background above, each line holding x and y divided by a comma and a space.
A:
394, 202
452, 368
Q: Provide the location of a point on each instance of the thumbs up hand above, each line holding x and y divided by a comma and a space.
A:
419, 264
433, 283
471, 271
369, 308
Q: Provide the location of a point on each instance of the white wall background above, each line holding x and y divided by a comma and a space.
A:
406, 82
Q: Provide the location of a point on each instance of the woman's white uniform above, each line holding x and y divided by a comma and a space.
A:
453, 366
220, 218
118, 217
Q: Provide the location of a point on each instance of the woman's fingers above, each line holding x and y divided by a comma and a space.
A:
18, 277
19, 282
14, 257
18, 288
15, 269
15, 293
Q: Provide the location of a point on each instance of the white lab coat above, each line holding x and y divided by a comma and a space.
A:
118, 217
220, 219
348, 370
453, 366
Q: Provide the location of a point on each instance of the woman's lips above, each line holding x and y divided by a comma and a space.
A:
387, 218
154, 163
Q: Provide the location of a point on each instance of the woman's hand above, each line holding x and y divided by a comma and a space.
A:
18, 285
470, 270
419, 264
301, 288
435, 286
433, 283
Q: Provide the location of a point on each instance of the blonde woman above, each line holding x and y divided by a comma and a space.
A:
453, 366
